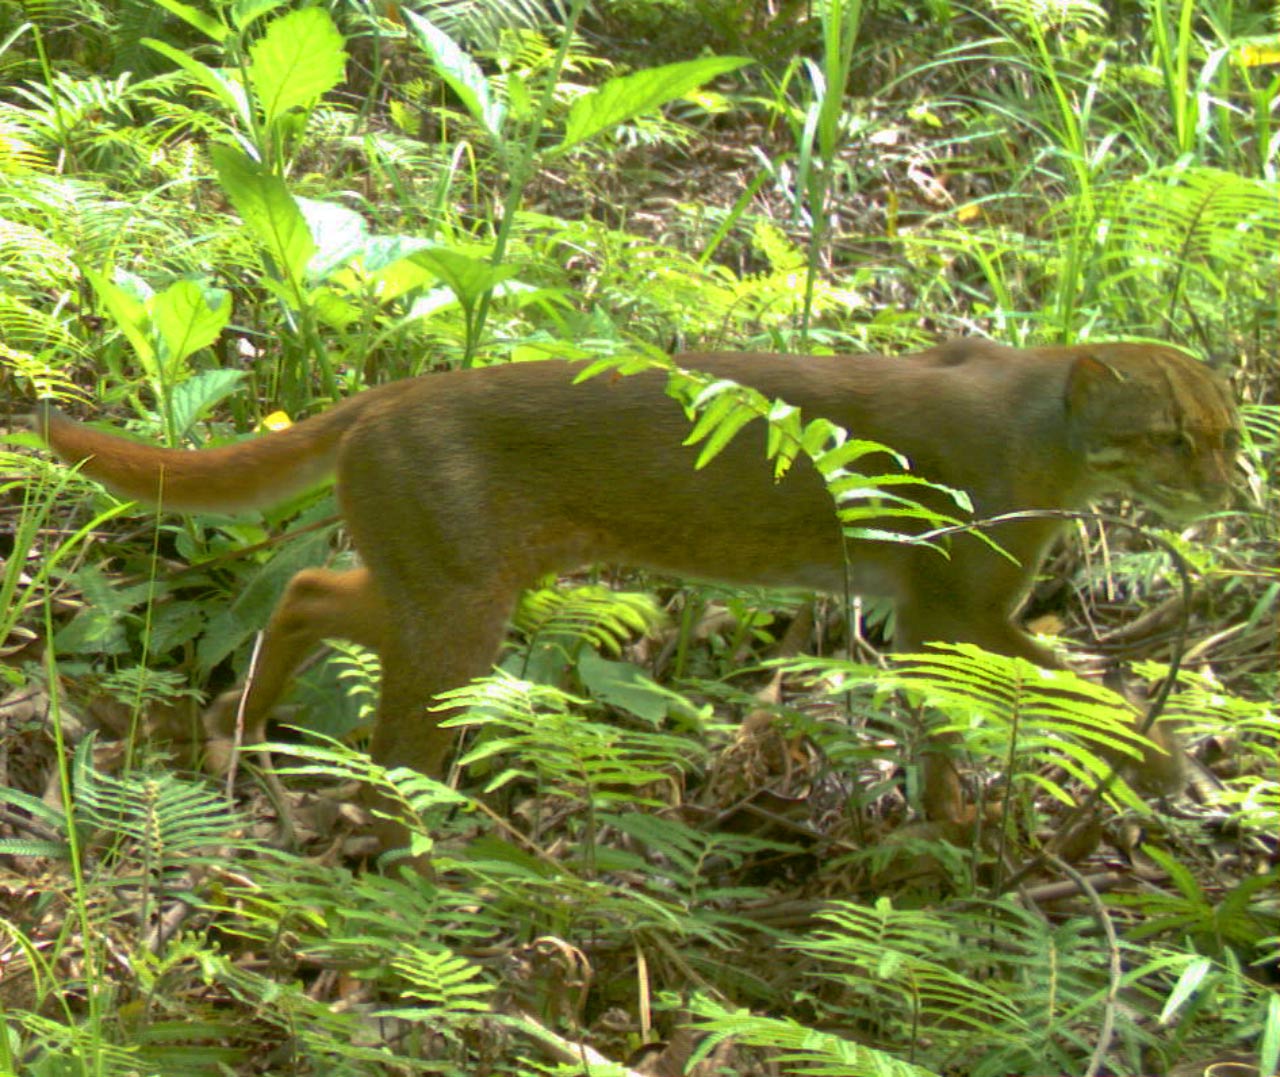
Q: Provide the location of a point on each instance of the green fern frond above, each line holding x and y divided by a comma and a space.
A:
46, 1045
37, 373
1003, 708
807, 1051
900, 955
146, 687
544, 732
1175, 230
1194, 217
1048, 716
50, 816
68, 102
486, 23
33, 257
604, 618
359, 670
442, 981
1203, 707
19, 153
1025, 1003
159, 822
1262, 422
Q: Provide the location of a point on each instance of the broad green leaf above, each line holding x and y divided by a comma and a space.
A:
174, 624
298, 60
192, 16
624, 98
460, 72
267, 209
188, 317
193, 397
93, 631
223, 86
332, 307
622, 684
340, 235
256, 598
387, 263
129, 315
468, 278
382, 252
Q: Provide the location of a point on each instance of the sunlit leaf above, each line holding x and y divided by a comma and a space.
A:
267, 209
457, 69
188, 317
298, 60
625, 98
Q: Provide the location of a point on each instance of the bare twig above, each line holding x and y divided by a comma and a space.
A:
1114, 971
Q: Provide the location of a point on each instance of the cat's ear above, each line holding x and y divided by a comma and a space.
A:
1090, 376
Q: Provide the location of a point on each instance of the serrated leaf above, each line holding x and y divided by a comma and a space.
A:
52, 850
624, 98
299, 59
175, 624
256, 598
33, 805
460, 72
244, 13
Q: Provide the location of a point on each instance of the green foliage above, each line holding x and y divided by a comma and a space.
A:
268, 93
165, 330
896, 974
622, 99
1248, 726
158, 825
1023, 709
1200, 234
545, 734
211, 212
807, 1051
462, 75
358, 671
720, 408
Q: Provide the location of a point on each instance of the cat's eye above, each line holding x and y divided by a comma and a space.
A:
1177, 441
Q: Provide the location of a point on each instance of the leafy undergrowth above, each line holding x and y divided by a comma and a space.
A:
715, 880
671, 846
